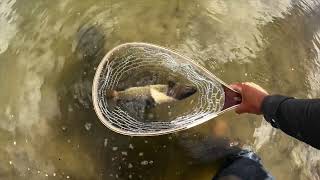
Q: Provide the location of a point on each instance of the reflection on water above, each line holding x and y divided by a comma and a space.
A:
49, 129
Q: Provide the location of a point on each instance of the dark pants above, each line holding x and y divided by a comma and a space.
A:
245, 165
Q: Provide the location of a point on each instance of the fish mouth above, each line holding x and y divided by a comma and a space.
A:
182, 92
188, 91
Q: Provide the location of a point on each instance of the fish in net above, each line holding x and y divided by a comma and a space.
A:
146, 65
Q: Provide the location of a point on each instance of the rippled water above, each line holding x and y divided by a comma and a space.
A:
48, 128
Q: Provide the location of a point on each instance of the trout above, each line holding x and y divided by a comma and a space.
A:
152, 95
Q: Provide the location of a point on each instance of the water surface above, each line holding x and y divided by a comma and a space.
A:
48, 128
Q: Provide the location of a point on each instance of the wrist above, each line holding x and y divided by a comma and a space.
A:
261, 101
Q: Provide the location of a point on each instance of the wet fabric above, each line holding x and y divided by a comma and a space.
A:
245, 165
298, 118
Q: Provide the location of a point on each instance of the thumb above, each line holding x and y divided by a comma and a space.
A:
236, 87
240, 109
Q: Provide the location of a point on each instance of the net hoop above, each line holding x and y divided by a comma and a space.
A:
181, 124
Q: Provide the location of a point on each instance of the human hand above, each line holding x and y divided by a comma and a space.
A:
252, 97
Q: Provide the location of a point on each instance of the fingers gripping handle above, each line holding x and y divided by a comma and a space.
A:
232, 98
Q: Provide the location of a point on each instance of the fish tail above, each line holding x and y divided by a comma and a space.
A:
111, 94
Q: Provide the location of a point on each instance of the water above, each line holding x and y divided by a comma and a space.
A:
48, 128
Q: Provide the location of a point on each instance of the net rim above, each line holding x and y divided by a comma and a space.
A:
162, 132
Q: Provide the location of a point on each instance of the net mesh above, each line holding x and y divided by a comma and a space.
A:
129, 59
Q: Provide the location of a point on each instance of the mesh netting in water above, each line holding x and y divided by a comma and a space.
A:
124, 62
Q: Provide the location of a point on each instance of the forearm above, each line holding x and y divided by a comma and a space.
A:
299, 118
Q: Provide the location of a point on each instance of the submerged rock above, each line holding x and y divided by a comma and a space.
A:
89, 49
90, 42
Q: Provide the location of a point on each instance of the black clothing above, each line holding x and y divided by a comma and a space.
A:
299, 118
245, 165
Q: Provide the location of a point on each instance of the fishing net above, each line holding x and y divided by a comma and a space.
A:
129, 62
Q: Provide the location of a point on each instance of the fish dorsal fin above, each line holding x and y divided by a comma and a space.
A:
160, 97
